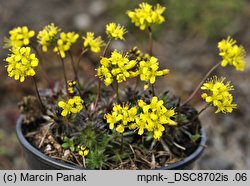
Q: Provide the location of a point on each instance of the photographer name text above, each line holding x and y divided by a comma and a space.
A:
45, 177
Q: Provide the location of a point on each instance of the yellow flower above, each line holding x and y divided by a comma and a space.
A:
65, 42
71, 86
83, 151
232, 54
115, 31
48, 36
73, 105
19, 37
104, 74
153, 117
122, 116
117, 67
218, 94
93, 43
148, 71
147, 15
21, 63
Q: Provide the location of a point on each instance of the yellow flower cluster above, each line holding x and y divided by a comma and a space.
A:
147, 15
19, 37
148, 71
115, 31
83, 151
117, 67
48, 36
153, 117
71, 86
73, 105
122, 116
65, 42
232, 54
94, 44
219, 95
21, 63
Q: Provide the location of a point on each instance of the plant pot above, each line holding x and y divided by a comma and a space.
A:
37, 160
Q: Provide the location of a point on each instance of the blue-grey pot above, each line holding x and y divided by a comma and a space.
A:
37, 160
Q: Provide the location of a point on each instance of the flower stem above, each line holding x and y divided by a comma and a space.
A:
73, 66
106, 48
36, 51
64, 72
99, 81
199, 85
121, 144
153, 89
117, 92
98, 94
49, 81
137, 81
79, 59
38, 95
203, 109
150, 41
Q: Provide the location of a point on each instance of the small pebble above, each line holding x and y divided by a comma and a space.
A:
66, 153
82, 21
97, 8
48, 148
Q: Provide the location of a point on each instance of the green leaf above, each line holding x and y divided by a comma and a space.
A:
65, 145
195, 137
72, 148
65, 139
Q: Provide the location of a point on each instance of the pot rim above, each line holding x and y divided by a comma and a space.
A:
63, 165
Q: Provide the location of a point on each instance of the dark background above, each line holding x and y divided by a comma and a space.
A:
186, 44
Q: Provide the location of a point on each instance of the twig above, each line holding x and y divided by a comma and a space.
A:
44, 136
152, 145
153, 165
132, 149
179, 146
145, 160
83, 161
76, 159
165, 146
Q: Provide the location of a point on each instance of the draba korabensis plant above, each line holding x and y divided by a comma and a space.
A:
102, 135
